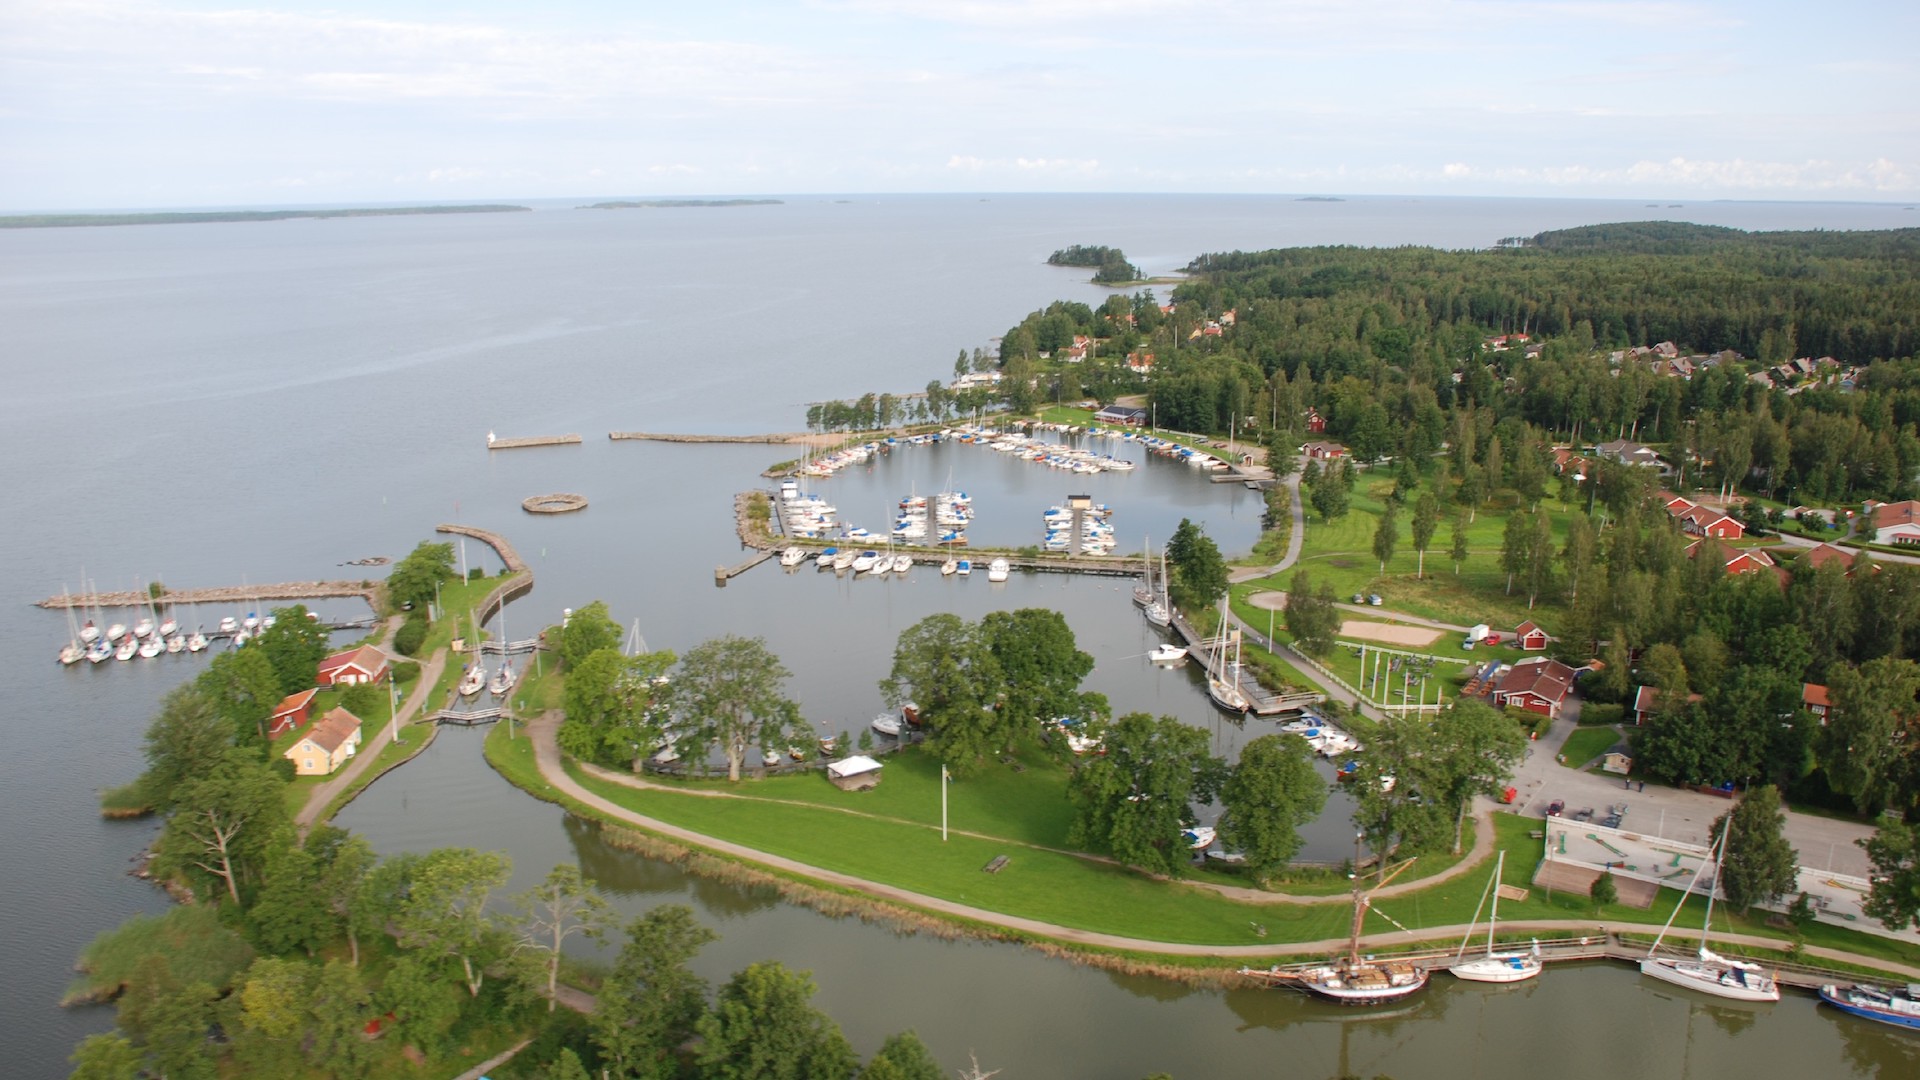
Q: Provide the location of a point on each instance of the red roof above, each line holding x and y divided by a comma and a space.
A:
1826, 553
1548, 680
293, 703
366, 659
1900, 513
1815, 694
331, 730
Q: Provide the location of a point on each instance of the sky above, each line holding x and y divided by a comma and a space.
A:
164, 103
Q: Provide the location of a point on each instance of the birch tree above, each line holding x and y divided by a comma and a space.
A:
558, 908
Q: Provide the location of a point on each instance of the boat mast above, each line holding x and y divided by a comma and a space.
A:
1493, 915
1359, 909
1718, 862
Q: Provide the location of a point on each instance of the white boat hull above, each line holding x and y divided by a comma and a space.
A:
1717, 979
1507, 968
1376, 986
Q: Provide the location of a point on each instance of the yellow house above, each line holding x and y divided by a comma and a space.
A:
327, 745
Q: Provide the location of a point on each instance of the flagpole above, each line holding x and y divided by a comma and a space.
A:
943, 804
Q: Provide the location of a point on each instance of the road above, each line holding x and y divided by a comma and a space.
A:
324, 794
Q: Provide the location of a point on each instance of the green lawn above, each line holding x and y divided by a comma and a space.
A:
1585, 744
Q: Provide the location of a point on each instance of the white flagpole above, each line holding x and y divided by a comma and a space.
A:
943, 804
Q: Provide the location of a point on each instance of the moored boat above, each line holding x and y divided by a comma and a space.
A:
127, 647
793, 556
964, 567
862, 562
1351, 979
824, 560
1899, 1007
152, 647
473, 680
1167, 653
998, 569
1495, 967
1199, 838
1709, 972
196, 641
948, 568
176, 643
503, 680
887, 724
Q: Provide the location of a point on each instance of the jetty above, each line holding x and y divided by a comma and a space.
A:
519, 581
1260, 700
495, 443
655, 436
225, 594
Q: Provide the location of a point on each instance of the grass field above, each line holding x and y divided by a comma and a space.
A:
1585, 744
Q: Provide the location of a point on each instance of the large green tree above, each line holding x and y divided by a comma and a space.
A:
243, 688
187, 733
1473, 751
564, 905
412, 580
763, 1027
611, 712
902, 1057
1868, 745
225, 821
1426, 521
587, 631
1269, 793
651, 1001
1040, 666
1386, 536
946, 667
1199, 570
442, 912
294, 645
728, 691
1758, 865
1311, 617
1134, 800
1894, 898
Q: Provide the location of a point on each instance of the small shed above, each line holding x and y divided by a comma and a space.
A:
1529, 636
856, 773
1617, 763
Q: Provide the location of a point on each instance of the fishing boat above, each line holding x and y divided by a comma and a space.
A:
1899, 1007
1708, 971
1508, 967
1168, 653
887, 724
964, 567
1351, 979
998, 569
793, 556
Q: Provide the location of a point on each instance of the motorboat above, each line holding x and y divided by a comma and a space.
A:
998, 569
1707, 971
1495, 967
843, 559
1899, 1007
1168, 653
1199, 838
964, 567
793, 556
824, 560
887, 724
864, 561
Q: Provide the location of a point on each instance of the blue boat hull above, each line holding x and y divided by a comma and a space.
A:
1870, 1012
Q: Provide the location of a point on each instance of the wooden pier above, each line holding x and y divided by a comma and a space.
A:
721, 574
533, 440
258, 595
1261, 701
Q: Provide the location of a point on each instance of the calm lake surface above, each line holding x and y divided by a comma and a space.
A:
217, 404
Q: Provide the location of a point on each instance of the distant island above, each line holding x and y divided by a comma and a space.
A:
1319, 198
1111, 263
677, 203
196, 217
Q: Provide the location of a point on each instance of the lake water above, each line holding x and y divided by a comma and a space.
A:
216, 404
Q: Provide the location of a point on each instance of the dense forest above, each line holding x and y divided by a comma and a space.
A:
1110, 264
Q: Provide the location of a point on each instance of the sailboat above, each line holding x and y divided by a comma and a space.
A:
71, 653
1710, 972
502, 682
1223, 682
1352, 980
1495, 967
1160, 608
88, 633
1143, 593
474, 678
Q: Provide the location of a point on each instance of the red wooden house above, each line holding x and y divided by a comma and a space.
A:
1529, 636
1536, 684
290, 713
365, 664
1814, 697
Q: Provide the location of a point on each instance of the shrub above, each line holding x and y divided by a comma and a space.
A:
412, 634
1603, 892
406, 671
1595, 715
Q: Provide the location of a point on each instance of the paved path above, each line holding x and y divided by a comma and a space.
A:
323, 794
1296, 537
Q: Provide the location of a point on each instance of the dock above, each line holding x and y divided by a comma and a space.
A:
1261, 701
721, 574
655, 436
1602, 946
533, 440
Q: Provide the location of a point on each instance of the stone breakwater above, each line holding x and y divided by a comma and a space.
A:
230, 594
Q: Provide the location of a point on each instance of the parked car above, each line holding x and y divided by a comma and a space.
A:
1359, 598
1374, 599
1585, 813
1554, 807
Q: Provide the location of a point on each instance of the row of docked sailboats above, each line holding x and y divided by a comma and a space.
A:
150, 636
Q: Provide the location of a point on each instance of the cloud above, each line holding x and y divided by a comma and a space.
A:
972, 164
1735, 175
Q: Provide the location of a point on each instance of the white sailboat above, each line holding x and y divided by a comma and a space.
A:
196, 641
127, 647
1223, 681
72, 652
502, 682
1710, 972
948, 568
1143, 593
1494, 967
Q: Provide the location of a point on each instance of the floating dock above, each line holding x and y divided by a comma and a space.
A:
1261, 701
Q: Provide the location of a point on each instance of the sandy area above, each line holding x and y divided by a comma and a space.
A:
1391, 633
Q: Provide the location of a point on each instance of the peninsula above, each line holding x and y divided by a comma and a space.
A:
199, 217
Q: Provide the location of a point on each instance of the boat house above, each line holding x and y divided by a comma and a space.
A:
857, 773
327, 745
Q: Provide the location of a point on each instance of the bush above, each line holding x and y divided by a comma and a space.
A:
1604, 891
406, 671
412, 634
1596, 715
